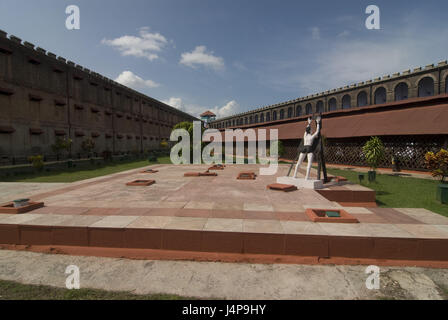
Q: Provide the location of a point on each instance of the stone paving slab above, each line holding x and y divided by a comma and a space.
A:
114, 222
251, 236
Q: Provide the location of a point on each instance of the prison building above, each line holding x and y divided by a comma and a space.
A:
408, 110
43, 97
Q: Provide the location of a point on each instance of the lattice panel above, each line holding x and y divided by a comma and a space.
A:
409, 150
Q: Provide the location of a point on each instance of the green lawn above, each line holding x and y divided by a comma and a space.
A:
76, 174
10, 290
400, 192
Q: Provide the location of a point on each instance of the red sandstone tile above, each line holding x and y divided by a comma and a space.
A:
35, 235
291, 216
200, 213
395, 248
264, 215
106, 237
143, 238
432, 249
350, 247
133, 212
102, 211
9, 234
171, 212
71, 210
46, 210
306, 245
369, 218
70, 236
181, 240
263, 243
214, 241
228, 214
394, 216
359, 204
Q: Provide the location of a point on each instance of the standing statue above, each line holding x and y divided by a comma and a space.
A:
308, 147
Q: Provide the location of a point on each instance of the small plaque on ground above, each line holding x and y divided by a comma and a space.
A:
10, 209
246, 176
149, 171
141, 183
282, 187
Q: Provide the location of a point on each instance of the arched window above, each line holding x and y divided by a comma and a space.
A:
401, 91
268, 117
262, 117
380, 95
426, 87
298, 111
274, 115
289, 112
362, 99
251, 120
332, 104
256, 118
308, 109
320, 106
282, 114
346, 102
245, 120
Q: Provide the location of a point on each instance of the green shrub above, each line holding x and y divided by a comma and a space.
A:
37, 162
373, 152
438, 164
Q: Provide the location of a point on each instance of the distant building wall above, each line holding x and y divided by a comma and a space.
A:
421, 82
43, 96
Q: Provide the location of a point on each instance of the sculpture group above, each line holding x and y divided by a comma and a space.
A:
310, 146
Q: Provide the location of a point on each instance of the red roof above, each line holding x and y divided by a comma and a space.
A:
208, 114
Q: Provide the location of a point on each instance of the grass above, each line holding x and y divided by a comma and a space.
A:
76, 174
400, 192
10, 290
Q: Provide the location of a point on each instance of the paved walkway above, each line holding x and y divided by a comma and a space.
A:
13, 190
224, 280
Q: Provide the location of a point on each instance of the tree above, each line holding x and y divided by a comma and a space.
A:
37, 162
373, 152
88, 145
60, 145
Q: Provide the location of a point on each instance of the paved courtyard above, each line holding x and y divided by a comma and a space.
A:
220, 214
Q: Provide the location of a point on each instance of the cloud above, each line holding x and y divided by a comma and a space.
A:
363, 55
230, 108
315, 33
240, 66
147, 45
175, 102
344, 33
355, 61
127, 78
200, 57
